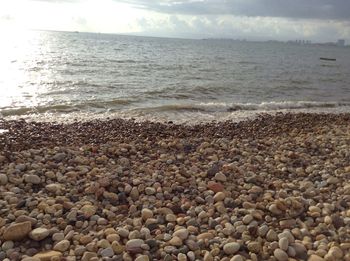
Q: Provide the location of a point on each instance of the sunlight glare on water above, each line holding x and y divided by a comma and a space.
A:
18, 52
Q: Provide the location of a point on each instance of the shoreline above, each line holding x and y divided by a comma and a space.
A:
271, 188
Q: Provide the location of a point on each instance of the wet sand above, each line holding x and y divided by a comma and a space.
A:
273, 188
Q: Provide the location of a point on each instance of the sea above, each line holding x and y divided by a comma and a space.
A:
75, 76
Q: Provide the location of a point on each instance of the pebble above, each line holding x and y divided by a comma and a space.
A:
231, 248
32, 179
48, 255
62, 246
120, 191
3, 179
17, 231
134, 245
38, 234
280, 255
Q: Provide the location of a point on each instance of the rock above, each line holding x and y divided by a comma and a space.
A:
231, 248
3, 179
175, 241
134, 194
181, 233
53, 188
237, 258
87, 256
30, 259
335, 252
123, 232
38, 234
48, 255
208, 257
283, 243
17, 231
150, 191
32, 179
220, 196
271, 235
247, 219
142, 258
220, 177
280, 255
288, 223
88, 210
59, 156
107, 252
254, 247
216, 187
146, 214
315, 258
62, 246
134, 246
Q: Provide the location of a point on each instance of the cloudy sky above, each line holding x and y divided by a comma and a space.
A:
316, 20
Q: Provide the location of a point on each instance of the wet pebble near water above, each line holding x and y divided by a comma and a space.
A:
279, 196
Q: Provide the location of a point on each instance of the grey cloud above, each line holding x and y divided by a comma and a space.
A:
303, 9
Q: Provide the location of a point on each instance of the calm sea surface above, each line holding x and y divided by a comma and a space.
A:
61, 76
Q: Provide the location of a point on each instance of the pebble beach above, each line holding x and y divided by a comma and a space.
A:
272, 188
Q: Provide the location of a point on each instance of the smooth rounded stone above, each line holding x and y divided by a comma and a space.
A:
237, 258
280, 255
287, 234
79, 250
219, 196
59, 156
192, 245
7, 245
181, 233
39, 234
181, 257
150, 191
336, 252
208, 256
123, 232
271, 235
58, 236
146, 214
17, 231
48, 255
288, 223
170, 218
53, 188
32, 179
107, 252
315, 258
291, 252
283, 243
205, 236
262, 230
3, 179
332, 180
134, 194
175, 241
142, 258
220, 177
88, 210
231, 248
87, 256
214, 186
30, 259
85, 239
134, 245
254, 247
274, 209
247, 219
62, 245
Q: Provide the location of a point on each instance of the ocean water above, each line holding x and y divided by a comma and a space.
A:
61, 76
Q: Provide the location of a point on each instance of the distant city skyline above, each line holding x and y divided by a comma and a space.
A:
313, 20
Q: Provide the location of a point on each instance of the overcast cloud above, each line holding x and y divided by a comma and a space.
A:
304, 9
315, 20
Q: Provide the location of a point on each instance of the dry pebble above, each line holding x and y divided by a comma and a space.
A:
274, 188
